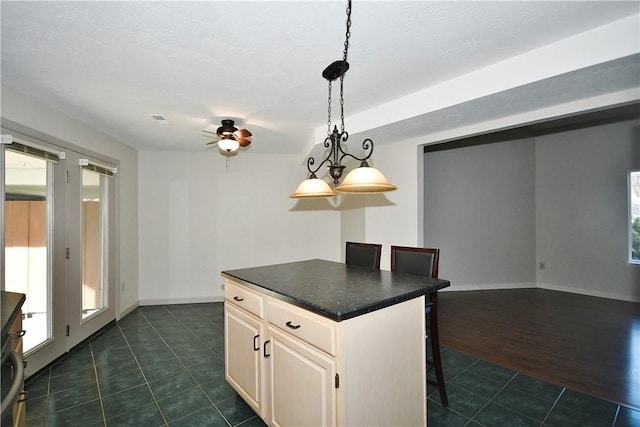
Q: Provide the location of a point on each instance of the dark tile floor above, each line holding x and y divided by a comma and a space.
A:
163, 366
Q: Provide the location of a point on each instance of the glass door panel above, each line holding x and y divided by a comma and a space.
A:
90, 238
28, 182
93, 241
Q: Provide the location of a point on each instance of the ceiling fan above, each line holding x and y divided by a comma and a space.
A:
228, 137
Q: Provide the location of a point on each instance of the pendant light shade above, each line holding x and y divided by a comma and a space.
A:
365, 179
313, 188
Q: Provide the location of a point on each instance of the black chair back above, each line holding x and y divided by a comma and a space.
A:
363, 254
418, 261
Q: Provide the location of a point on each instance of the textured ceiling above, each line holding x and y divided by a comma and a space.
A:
112, 64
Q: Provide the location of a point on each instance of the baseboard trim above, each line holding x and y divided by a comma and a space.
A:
504, 286
184, 300
589, 292
123, 313
488, 287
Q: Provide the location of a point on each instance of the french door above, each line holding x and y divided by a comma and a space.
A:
58, 245
90, 247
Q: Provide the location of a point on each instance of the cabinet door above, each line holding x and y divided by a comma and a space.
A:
302, 383
243, 358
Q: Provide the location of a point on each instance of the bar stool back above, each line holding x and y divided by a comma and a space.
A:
424, 262
363, 254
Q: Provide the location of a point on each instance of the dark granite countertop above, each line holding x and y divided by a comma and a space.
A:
11, 305
335, 290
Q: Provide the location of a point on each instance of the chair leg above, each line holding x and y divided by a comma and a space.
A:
435, 348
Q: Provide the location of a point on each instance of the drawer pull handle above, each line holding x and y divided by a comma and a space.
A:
264, 349
256, 347
291, 325
239, 299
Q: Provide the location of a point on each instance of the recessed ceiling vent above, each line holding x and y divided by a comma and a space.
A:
159, 118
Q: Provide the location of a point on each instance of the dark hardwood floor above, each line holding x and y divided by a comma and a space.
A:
587, 344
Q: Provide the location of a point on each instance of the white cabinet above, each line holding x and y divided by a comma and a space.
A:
302, 383
243, 357
296, 368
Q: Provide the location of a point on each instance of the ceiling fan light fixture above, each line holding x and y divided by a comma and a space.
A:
228, 144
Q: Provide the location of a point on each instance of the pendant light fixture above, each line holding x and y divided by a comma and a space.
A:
362, 180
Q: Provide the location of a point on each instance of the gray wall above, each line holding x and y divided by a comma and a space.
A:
479, 210
498, 210
582, 210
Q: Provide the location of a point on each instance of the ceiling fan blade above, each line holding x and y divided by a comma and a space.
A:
242, 133
243, 141
213, 142
209, 132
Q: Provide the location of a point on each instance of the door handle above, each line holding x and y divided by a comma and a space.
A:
18, 334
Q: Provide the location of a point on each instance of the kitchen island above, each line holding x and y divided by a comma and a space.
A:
322, 343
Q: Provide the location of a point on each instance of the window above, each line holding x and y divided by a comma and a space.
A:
634, 217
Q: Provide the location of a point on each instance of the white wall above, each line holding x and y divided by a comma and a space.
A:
480, 211
387, 218
582, 210
199, 216
392, 218
36, 118
352, 219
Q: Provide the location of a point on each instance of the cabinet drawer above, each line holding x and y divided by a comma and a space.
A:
311, 328
244, 298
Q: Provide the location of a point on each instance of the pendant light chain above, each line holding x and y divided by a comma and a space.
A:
361, 180
329, 111
348, 32
344, 58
